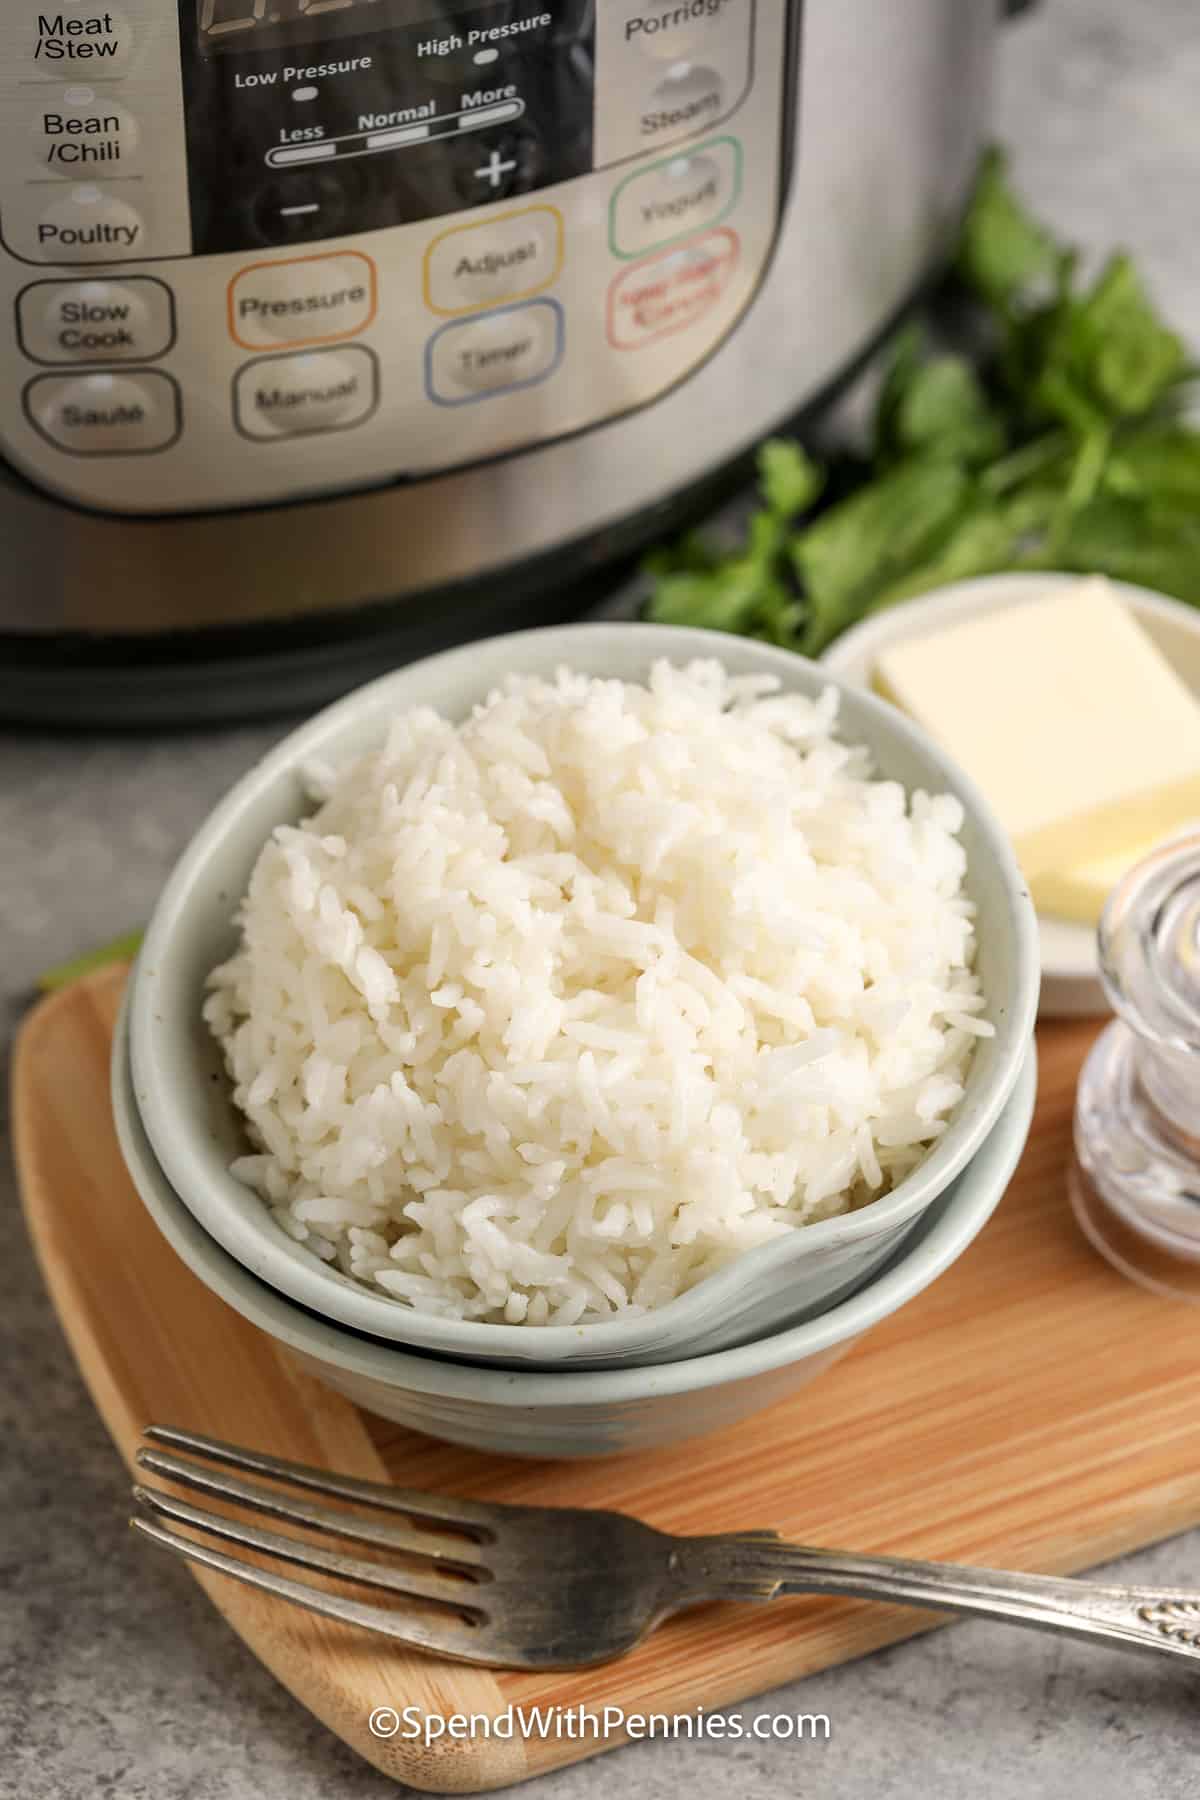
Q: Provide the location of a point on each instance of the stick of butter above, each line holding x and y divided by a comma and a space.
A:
1080, 733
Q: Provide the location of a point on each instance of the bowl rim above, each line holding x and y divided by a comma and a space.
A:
213, 1195
952, 1223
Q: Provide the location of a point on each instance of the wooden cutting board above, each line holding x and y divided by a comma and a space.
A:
1030, 1410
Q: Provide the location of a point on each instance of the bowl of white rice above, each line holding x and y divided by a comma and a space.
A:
592, 996
565, 1412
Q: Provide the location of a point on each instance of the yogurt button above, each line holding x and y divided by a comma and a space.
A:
89, 225
79, 133
509, 349
687, 99
105, 415
675, 197
313, 391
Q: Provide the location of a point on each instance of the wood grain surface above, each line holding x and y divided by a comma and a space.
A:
1030, 1410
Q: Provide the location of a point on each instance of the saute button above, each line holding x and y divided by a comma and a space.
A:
96, 321
510, 257
675, 197
687, 100
88, 225
296, 396
513, 347
105, 415
310, 299
78, 132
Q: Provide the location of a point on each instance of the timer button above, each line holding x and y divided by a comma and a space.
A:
88, 225
510, 257
79, 133
514, 347
686, 100
301, 395
105, 415
96, 321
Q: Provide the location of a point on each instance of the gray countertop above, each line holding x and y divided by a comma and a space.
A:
116, 1677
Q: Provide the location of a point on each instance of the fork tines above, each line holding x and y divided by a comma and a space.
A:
434, 1542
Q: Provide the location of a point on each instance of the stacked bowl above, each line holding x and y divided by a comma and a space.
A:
739, 1339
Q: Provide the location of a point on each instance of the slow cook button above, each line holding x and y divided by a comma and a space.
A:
675, 197
296, 396
688, 99
88, 225
79, 133
669, 292
105, 415
303, 300
511, 257
514, 347
96, 321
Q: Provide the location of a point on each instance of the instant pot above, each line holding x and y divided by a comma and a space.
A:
337, 329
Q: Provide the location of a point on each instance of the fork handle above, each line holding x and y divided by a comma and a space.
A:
762, 1567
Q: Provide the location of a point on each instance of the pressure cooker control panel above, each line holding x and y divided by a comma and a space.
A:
252, 250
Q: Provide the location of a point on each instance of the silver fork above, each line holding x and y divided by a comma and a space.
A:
534, 1587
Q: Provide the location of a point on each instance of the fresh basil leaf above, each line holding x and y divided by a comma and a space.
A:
789, 479
1004, 252
935, 404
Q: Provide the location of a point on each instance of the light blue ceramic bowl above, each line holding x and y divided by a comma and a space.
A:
568, 1412
195, 1132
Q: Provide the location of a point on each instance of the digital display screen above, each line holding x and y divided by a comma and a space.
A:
252, 24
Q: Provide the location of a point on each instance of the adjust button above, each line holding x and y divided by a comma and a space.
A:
88, 225
675, 197
314, 391
132, 320
304, 300
105, 415
513, 347
511, 257
687, 99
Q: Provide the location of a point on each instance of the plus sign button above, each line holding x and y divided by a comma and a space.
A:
494, 165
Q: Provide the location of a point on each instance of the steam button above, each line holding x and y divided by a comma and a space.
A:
687, 99
105, 414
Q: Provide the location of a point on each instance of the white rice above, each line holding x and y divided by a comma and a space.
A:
541, 1018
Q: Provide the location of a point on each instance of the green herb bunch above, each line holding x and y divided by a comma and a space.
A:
1059, 441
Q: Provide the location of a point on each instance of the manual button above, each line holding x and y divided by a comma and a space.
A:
303, 300
297, 396
105, 415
